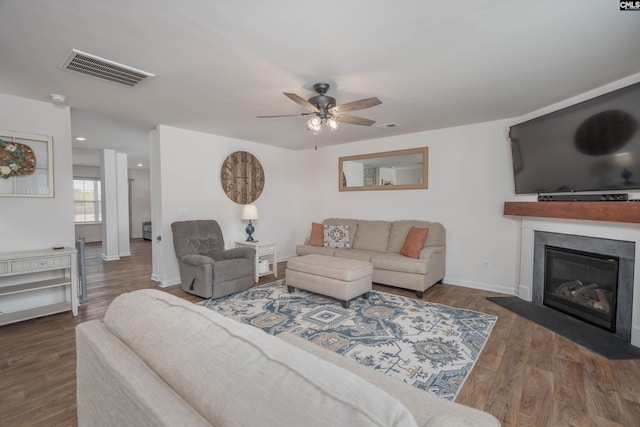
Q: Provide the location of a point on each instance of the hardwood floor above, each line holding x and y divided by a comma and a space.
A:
525, 376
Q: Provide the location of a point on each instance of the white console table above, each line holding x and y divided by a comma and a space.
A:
264, 250
37, 283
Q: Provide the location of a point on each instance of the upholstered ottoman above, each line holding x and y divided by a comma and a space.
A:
340, 278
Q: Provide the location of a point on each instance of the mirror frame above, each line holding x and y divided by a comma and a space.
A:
425, 169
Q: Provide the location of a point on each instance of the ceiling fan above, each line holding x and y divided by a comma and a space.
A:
324, 110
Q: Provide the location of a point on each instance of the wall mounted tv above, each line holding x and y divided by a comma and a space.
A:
590, 146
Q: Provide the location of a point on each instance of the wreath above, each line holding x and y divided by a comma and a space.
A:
16, 159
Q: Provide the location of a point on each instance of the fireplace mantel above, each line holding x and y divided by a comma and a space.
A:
594, 211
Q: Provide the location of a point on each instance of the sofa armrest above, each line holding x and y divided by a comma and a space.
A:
428, 252
427, 409
244, 252
197, 260
133, 395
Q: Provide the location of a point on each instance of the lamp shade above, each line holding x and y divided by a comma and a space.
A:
249, 212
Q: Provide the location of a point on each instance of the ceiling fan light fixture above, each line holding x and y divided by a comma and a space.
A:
323, 109
314, 124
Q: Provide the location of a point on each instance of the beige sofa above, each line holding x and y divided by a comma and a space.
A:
379, 242
158, 360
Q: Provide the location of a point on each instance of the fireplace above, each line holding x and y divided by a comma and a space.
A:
582, 284
598, 227
589, 278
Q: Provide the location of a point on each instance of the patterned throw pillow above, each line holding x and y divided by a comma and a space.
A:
336, 236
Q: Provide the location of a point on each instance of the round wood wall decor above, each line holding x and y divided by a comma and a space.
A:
242, 177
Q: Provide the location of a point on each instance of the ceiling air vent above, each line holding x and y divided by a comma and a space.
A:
91, 65
387, 125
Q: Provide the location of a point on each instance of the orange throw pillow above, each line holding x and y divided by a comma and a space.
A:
414, 242
317, 236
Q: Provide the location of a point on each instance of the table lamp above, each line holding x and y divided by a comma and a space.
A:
249, 212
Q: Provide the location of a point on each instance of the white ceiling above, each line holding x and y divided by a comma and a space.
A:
219, 64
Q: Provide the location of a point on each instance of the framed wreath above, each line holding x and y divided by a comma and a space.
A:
26, 165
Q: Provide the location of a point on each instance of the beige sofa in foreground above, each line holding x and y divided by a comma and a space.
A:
158, 360
379, 242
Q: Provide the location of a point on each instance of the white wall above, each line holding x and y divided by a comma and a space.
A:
140, 200
386, 175
353, 173
469, 180
302, 186
37, 223
189, 175
408, 176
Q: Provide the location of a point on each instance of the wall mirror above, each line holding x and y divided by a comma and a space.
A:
390, 170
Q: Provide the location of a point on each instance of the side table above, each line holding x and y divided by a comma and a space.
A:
264, 251
38, 283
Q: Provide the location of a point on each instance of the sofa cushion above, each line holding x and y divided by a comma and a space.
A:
396, 262
336, 236
308, 249
414, 242
399, 230
372, 235
317, 236
235, 374
352, 223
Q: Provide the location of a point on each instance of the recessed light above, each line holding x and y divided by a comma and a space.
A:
140, 165
80, 138
57, 97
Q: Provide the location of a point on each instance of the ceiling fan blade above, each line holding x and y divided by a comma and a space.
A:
354, 120
360, 104
301, 101
284, 115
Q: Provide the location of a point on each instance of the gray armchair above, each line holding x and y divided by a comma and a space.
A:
206, 268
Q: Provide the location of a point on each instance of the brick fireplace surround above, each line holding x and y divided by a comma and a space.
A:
605, 220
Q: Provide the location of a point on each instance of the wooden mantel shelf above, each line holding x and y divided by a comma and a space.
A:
591, 211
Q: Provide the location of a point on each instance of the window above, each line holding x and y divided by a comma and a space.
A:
87, 200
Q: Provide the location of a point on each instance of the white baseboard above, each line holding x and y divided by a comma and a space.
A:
479, 285
110, 258
167, 283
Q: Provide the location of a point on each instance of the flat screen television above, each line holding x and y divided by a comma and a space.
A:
593, 146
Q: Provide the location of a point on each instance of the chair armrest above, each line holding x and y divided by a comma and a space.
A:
244, 252
196, 260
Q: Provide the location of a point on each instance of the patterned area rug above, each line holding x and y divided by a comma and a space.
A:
430, 346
